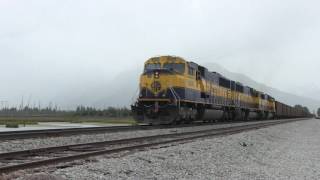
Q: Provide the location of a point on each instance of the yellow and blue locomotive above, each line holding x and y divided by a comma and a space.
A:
173, 90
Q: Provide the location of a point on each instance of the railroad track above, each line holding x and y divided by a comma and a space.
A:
34, 158
65, 132
94, 130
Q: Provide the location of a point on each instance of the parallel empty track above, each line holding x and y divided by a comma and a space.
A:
27, 159
10, 135
66, 131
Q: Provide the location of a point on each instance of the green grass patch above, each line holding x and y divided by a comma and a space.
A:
33, 120
99, 120
12, 125
22, 122
71, 119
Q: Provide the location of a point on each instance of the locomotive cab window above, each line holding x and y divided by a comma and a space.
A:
191, 71
150, 67
176, 67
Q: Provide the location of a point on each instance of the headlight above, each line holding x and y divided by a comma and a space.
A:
156, 75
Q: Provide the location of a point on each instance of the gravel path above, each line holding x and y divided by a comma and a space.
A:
26, 144
288, 151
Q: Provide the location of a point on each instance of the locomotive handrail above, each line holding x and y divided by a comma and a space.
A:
176, 96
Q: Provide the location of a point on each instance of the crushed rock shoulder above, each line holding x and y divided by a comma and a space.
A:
287, 151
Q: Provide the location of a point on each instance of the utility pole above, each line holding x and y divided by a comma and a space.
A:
29, 100
4, 104
21, 105
3, 107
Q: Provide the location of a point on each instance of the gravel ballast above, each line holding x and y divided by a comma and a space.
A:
26, 144
287, 151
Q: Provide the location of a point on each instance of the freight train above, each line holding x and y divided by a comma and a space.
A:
173, 91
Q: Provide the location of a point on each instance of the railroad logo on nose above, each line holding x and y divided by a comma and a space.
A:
156, 86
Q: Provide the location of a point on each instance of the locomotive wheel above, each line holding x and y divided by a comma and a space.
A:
246, 116
224, 116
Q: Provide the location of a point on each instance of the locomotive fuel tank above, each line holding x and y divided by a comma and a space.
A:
212, 115
253, 115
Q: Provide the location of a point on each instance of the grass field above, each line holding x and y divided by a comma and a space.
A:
71, 119
127, 120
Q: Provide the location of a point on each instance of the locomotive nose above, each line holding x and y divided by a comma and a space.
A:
158, 83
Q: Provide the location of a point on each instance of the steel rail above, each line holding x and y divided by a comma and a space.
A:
9, 135
27, 134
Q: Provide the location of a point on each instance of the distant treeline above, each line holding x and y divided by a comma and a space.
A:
33, 111
109, 112
80, 111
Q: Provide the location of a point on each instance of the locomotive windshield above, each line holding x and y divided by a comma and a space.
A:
177, 67
150, 67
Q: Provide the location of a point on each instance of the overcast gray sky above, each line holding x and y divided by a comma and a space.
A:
51, 47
